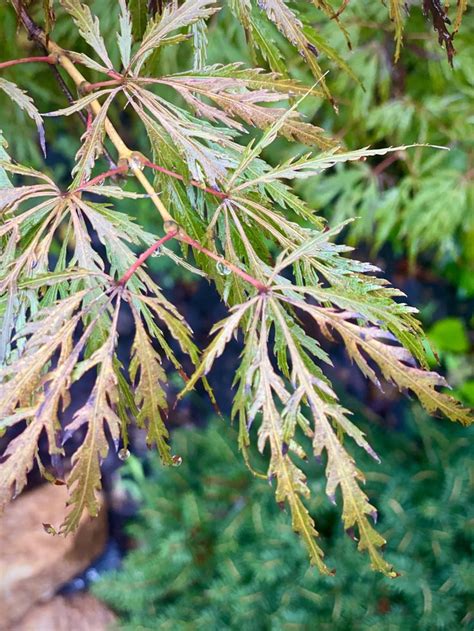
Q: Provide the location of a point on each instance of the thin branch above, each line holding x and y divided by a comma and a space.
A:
70, 99
341, 10
380, 168
89, 87
143, 257
67, 93
125, 153
177, 176
36, 34
176, 233
261, 287
102, 176
48, 59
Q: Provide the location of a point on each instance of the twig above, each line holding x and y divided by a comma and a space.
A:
176, 233
143, 257
261, 287
177, 176
48, 59
102, 176
67, 93
36, 34
380, 168
89, 87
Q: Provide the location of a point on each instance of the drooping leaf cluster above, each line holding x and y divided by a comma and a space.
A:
272, 260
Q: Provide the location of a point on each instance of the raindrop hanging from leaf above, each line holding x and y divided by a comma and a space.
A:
124, 454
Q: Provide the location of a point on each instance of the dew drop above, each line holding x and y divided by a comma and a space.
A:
124, 454
136, 161
176, 461
157, 252
222, 269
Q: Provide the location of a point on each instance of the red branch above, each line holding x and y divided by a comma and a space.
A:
49, 59
102, 176
261, 287
89, 120
88, 87
143, 257
177, 176
380, 168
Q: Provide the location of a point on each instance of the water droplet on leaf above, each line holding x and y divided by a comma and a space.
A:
222, 269
157, 252
124, 454
176, 461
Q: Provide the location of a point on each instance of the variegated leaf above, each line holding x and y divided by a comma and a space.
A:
98, 412
25, 102
150, 396
88, 26
173, 17
124, 36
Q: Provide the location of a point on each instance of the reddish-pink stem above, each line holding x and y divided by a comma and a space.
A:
102, 176
100, 84
89, 120
143, 257
48, 59
380, 168
261, 287
177, 176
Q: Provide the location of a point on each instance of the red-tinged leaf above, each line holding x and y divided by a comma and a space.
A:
98, 412
150, 397
88, 26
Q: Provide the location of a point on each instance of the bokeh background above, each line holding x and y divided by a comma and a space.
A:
203, 545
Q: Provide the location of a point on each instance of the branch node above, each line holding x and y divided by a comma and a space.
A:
83, 88
171, 226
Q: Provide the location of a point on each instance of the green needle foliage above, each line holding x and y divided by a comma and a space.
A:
214, 552
240, 224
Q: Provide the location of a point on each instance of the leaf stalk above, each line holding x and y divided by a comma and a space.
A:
178, 176
259, 286
143, 257
47, 59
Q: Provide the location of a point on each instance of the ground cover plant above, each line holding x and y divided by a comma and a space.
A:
206, 558
72, 262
